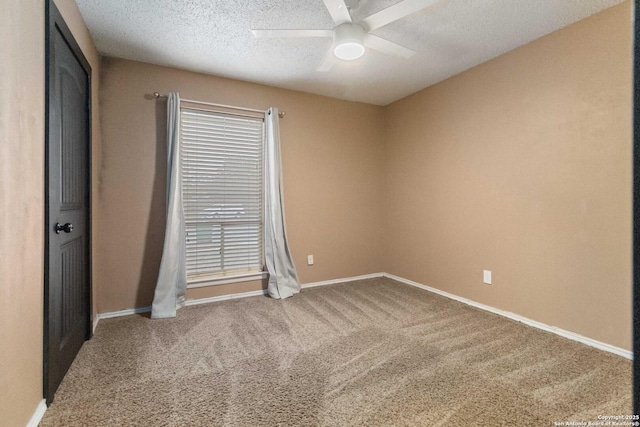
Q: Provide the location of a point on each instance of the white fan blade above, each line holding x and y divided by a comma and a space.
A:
385, 46
259, 34
327, 62
338, 11
395, 12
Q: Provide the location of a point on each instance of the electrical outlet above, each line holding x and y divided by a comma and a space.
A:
486, 274
309, 259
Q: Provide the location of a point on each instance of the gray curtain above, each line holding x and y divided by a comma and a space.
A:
172, 278
283, 279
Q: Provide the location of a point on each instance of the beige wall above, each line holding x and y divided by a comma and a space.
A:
21, 208
332, 162
522, 166
22, 198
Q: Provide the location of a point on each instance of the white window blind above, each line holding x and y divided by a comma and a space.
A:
222, 193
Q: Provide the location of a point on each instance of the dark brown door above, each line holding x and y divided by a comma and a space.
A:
67, 193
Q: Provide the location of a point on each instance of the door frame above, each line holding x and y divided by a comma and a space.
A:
55, 22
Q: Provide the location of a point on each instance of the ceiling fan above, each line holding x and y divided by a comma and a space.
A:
350, 38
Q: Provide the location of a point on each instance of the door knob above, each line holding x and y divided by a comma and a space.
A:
67, 228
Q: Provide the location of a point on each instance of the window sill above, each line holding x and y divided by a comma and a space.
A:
203, 282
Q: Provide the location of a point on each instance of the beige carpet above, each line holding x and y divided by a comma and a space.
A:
369, 353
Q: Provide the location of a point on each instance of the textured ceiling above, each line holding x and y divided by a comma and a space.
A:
214, 37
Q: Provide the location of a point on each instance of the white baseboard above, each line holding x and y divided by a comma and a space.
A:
119, 313
96, 319
199, 301
558, 331
188, 302
563, 333
127, 312
344, 280
38, 414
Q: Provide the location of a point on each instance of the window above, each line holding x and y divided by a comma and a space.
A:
222, 181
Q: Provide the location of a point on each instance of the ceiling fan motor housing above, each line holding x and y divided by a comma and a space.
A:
348, 41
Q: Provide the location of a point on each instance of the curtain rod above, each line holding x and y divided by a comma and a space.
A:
156, 95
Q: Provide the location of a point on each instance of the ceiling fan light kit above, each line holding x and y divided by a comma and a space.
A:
350, 38
348, 41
